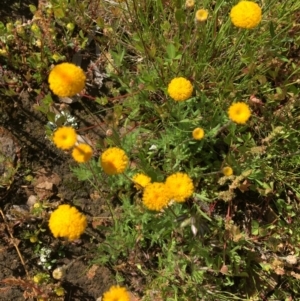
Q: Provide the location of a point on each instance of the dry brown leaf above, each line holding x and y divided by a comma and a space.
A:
44, 183
95, 196
279, 271
133, 298
295, 275
92, 271
244, 186
224, 269
254, 100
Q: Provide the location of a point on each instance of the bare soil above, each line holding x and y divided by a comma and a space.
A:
46, 164
52, 180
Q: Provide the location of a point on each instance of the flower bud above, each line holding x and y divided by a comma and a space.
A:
34, 28
201, 15
189, 4
38, 43
56, 57
70, 26
9, 27
58, 273
3, 52
33, 239
20, 30
37, 205
59, 291
37, 278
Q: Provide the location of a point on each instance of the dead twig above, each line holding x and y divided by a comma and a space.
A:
14, 241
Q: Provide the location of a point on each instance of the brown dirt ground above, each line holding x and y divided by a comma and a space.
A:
83, 281
43, 160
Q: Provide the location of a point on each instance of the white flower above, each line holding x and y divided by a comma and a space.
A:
153, 147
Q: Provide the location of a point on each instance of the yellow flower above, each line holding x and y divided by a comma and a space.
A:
59, 291
116, 293
201, 15
179, 186
68, 222
3, 52
114, 161
155, 196
227, 171
180, 89
189, 4
198, 133
37, 278
65, 137
246, 14
239, 112
66, 80
82, 153
141, 180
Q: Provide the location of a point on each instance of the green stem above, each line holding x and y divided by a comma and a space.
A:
98, 184
172, 211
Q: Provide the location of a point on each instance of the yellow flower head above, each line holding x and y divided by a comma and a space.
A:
65, 137
227, 171
68, 222
246, 14
116, 293
198, 133
179, 186
114, 161
155, 196
180, 89
66, 80
141, 180
201, 15
189, 4
82, 153
239, 112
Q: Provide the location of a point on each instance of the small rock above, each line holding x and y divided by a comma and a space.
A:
291, 259
31, 200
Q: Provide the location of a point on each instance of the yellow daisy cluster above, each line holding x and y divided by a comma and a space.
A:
156, 196
68, 222
66, 80
198, 133
179, 186
116, 293
189, 4
141, 180
82, 153
201, 15
114, 161
65, 138
246, 14
180, 89
227, 171
239, 112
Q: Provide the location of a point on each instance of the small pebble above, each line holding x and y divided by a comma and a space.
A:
32, 200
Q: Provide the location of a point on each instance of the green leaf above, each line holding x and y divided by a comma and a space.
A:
47, 100
254, 228
82, 173
58, 12
180, 16
51, 116
32, 8
101, 100
171, 51
61, 120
